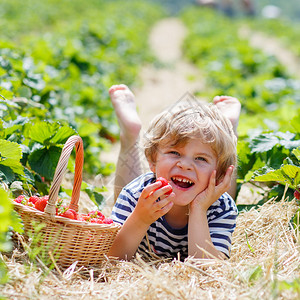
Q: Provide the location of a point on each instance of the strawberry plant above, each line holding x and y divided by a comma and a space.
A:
9, 219
268, 94
66, 65
288, 173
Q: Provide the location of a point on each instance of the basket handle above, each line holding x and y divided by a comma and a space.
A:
61, 167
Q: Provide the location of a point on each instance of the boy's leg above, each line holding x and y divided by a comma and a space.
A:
231, 108
129, 164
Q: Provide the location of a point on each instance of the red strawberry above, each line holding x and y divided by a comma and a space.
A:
33, 199
96, 220
41, 203
107, 221
73, 212
83, 217
297, 194
45, 197
68, 214
96, 214
19, 199
164, 183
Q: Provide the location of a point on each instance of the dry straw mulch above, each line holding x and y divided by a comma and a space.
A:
265, 264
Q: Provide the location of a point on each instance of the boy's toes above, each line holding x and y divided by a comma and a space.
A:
112, 89
117, 87
216, 99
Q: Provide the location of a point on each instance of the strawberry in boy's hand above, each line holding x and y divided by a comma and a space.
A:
297, 194
164, 183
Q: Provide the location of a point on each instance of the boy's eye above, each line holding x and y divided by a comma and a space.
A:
174, 153
201, 158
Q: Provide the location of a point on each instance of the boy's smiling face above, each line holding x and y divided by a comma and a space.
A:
187, 167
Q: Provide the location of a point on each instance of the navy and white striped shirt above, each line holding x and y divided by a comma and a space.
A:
167, 241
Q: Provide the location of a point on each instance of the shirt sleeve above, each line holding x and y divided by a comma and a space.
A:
221, 217
123, 207
129, 196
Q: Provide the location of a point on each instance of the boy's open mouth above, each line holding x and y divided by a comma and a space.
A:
182, 182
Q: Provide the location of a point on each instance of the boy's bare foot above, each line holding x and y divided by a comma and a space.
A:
231, 108
124, 104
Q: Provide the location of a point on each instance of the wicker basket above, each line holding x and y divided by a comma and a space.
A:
65, 239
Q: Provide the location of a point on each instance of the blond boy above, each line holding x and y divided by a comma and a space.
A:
193, 146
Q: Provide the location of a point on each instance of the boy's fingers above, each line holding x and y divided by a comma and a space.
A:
226, 182
150, 189
164, 200
156, 191
164, 209
212, 181
229, 173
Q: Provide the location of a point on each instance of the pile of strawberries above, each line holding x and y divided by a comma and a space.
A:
40, 203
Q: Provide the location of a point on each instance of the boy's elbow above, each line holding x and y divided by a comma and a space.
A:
116, 252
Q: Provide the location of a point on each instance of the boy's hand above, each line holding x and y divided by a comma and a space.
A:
213, 192
148, 210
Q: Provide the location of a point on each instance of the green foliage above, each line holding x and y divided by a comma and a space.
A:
287, 174
269, 123
69, 60
260, 82
9, 220
10, 156
285, 30
56, 84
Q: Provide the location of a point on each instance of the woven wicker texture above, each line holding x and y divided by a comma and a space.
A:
65, 239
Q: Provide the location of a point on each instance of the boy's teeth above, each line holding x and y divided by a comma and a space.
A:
182, 180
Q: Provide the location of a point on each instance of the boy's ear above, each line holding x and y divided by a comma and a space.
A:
152, 166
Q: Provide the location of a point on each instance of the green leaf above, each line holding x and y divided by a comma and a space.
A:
275, 175
49, 133
87, 129
44, 161
62, 134
263, 142
10, 155
291, 171
295, 122
3, 273
95, 193
290, 144
8, 219
255, 274
296, 152
10, 150
42, 132
6, 174
16, 222
5, 211
16, 166
292, 285
286, 174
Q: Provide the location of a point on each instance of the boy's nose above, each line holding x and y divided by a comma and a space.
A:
184, 163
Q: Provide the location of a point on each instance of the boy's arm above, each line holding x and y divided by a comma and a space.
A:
147, 211
198, 232
128, 238
199, 237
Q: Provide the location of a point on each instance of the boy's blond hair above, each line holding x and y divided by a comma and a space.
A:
193, 119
